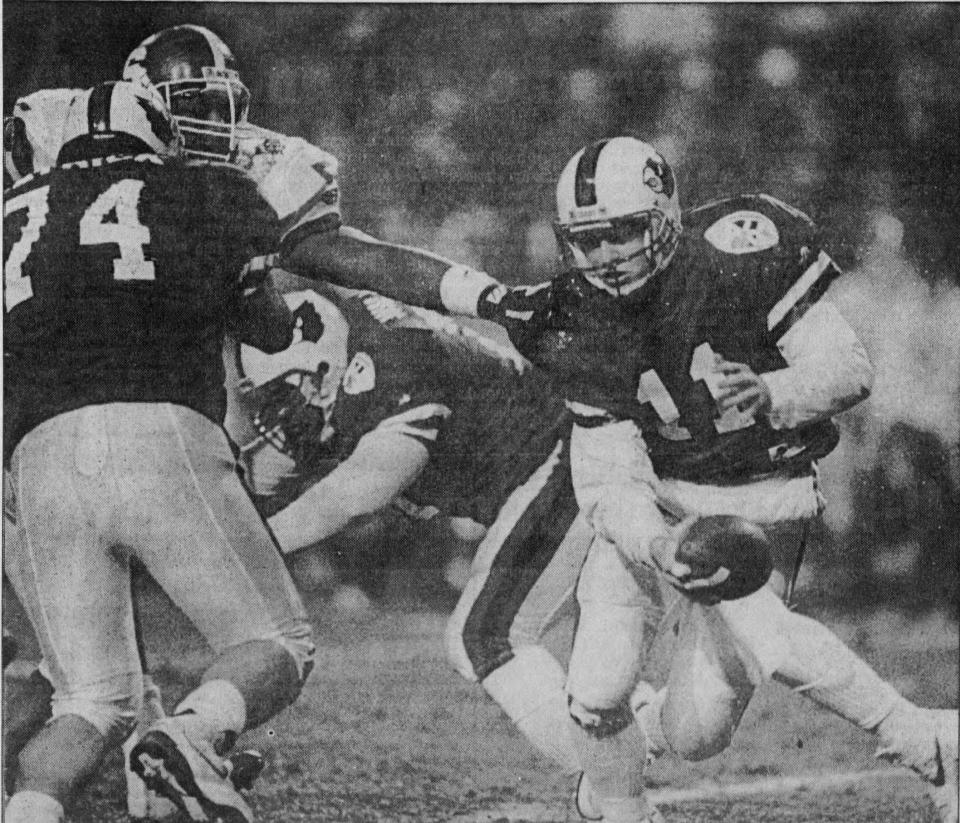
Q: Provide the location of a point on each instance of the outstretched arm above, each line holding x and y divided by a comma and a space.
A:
353, 259
383, 464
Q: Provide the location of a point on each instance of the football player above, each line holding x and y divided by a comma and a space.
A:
120, 280
703, 365
400, 411
196, 73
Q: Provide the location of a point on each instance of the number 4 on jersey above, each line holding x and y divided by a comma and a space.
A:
652, 390
125, 229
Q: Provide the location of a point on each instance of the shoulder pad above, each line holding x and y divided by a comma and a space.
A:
747, 224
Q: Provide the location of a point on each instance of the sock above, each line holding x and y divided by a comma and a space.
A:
613, 763
33, 807
530, 688
647, 704
822, 668
152, 708
219, 704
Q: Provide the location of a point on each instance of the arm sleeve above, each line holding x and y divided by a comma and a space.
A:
613, 481
828, 369
383, 464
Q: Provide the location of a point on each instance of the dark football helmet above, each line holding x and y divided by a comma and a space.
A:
196, 74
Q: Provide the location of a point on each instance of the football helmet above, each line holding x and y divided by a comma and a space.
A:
618, 214
289, 396
118, 118
196, 74
33, 134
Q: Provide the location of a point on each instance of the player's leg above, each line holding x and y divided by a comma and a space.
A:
75, 589
620, 608
523, 574
203, 541
819, 666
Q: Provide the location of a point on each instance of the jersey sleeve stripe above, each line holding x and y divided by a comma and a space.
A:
806, 291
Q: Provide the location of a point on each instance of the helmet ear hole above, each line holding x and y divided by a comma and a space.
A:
18, 153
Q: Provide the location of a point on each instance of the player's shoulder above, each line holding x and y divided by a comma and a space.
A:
259, 142
747, 224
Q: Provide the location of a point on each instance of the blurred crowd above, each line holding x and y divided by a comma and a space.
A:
451, 123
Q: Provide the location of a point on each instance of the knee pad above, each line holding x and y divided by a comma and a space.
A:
111, 707
297, 639
600, 723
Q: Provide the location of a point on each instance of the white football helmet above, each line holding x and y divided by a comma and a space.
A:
196, 74
618, 192
289, 396
119, 118
33, 134
57, 126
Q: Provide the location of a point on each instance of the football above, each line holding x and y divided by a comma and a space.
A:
731, 543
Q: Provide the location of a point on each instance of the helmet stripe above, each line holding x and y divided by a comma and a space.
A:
98, 109
584, 187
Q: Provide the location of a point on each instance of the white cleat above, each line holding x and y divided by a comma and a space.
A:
142, 803
584, 801
587, 804
944, 789
175, 760
936, 764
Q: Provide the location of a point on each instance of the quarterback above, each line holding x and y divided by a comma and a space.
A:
703, 365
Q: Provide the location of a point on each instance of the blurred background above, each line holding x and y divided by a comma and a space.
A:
452, 123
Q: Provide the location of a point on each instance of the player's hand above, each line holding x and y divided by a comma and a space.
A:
741, 388
663, 553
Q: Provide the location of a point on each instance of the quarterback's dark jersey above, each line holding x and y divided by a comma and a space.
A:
120, 277
746, 269
487, 429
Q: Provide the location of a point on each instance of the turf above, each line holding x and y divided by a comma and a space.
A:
385, 732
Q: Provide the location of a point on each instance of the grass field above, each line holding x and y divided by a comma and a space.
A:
385, 731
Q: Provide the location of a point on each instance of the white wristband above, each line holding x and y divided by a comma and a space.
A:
461, 287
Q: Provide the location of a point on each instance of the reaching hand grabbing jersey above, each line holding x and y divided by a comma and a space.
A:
746, 271
370, 368
298, 179
120, 278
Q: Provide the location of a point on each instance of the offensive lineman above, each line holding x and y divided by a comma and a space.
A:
114, 402
703, 369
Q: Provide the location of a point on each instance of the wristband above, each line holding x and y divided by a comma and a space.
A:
461, 288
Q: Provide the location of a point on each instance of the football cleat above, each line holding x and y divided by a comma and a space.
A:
174, 759
588, 808
937, 765
728, 555
584, 801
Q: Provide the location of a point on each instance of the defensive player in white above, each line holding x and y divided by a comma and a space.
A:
704, 368
196, 73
